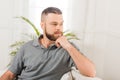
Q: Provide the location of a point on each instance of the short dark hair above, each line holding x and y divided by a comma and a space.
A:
50, 10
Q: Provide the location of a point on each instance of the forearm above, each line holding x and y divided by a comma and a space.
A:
85, 66
5, 78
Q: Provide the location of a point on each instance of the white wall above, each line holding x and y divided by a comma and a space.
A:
97, 23
10, 27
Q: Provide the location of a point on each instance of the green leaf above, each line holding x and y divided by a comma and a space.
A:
17, 43
32, 25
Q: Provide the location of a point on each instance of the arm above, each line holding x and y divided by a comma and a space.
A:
85, 66
8, 75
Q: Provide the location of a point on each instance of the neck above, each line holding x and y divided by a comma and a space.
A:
46, 42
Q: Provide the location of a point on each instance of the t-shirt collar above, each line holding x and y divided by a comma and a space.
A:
36, 42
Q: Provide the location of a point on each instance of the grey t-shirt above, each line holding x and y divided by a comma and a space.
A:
34, 62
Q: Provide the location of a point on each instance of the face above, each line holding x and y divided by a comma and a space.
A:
53, 26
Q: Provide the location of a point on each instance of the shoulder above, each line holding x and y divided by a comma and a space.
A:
33, 42
23, 47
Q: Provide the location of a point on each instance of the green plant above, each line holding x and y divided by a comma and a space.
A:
16, 46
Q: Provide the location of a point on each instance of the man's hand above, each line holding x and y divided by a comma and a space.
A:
8, 75
63, 42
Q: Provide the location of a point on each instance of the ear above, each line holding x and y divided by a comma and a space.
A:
42, 25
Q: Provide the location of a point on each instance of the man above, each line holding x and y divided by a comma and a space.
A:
50, 56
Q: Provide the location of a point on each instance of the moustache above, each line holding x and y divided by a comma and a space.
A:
58, 32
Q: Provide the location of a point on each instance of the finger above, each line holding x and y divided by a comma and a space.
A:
57, 44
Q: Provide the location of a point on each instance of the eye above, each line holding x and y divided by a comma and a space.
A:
55, 24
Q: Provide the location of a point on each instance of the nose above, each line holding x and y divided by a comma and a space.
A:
58, 27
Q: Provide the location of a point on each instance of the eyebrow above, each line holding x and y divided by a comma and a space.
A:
56, 22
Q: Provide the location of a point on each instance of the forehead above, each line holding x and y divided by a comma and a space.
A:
54, 17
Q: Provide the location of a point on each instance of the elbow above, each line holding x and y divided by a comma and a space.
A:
91, 74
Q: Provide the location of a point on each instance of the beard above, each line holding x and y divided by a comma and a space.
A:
52, 37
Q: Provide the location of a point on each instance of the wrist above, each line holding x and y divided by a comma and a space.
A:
69, 47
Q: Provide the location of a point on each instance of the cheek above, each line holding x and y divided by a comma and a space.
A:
62, 28
49, 30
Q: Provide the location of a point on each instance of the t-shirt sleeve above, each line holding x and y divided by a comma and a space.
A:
17, 63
